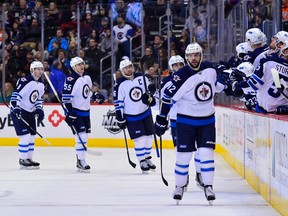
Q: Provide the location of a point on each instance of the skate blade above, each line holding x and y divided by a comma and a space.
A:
83, 171
25, 167
36, 167
211, 202
177, 202
153, 170
185, 189
145, 172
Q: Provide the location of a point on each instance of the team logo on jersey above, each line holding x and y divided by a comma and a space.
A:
86, 91
135, 94
70, 78
120, 35
110, 123
176, 78
55, 118
203, 91
246, 57
23, 79
34, 96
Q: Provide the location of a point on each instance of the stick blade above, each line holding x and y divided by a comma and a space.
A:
276, 78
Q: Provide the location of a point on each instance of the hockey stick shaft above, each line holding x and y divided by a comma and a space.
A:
146, 90
23, 120
127, 150
72, 126
161, 163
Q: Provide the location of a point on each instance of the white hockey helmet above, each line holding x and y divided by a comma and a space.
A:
123, 64
194, 48
174, 60
36, 64
281, 37
254, 36
246, 67
243, 49
264, 41
75, 61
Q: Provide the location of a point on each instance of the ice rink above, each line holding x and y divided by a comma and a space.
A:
114, 188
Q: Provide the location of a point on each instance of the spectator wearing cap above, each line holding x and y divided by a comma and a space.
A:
122, 32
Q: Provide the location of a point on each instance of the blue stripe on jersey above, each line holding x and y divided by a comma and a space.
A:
257, 79
252, 85
23, 145
139, 149
172, 123
182, 166
138, 117
82, 113
16, 94
197, 160
207, 162
196, 122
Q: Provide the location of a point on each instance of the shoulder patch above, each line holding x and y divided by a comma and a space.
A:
176, 78
70, 78
23, 79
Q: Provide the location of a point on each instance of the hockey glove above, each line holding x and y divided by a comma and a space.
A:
237, 75
148, 99
152, 88
70, 118
17, 112
122, 124
161, 125
40, 114
283, 109
99, 98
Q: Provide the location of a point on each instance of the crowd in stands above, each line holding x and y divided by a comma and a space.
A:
23, 33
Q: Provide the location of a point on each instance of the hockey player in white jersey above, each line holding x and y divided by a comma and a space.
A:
27, 103
192, 88
175, 63
76, 97
132, 104
261, 81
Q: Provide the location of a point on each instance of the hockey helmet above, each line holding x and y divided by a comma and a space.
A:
264, 41
75, 61
254, 36
246, 67
123, 64
281, 37
36, 64
174, 60
283, 48
243, 49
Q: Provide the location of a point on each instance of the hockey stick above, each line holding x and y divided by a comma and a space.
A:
161, 166
146, 90
72, 126
278, 82
23, 120
129, 160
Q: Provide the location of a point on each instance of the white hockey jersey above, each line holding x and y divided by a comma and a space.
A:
28, 94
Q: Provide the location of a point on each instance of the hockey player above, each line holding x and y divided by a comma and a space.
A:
175, 63
26, 104
192, 88
76, 96
132, 105
268, 98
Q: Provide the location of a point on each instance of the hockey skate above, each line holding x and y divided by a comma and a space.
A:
151, 166
82, 166
209, 194
25, 164
144, 166
178, 194
187, 183
35, 164
199, 182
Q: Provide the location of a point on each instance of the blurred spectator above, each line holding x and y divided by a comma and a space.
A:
123, 32
53, 54
39, 48
37, 10
101, 29
95, 54
63, 60
90, 66
72, 51
8, 90
57, 77
33, 35
285, 14
22, 14
96, 88
93, 35
200, 32
190, 21
148, 60
16, 34
63, 43
52, 15
106, 43
72, 35
157, 45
